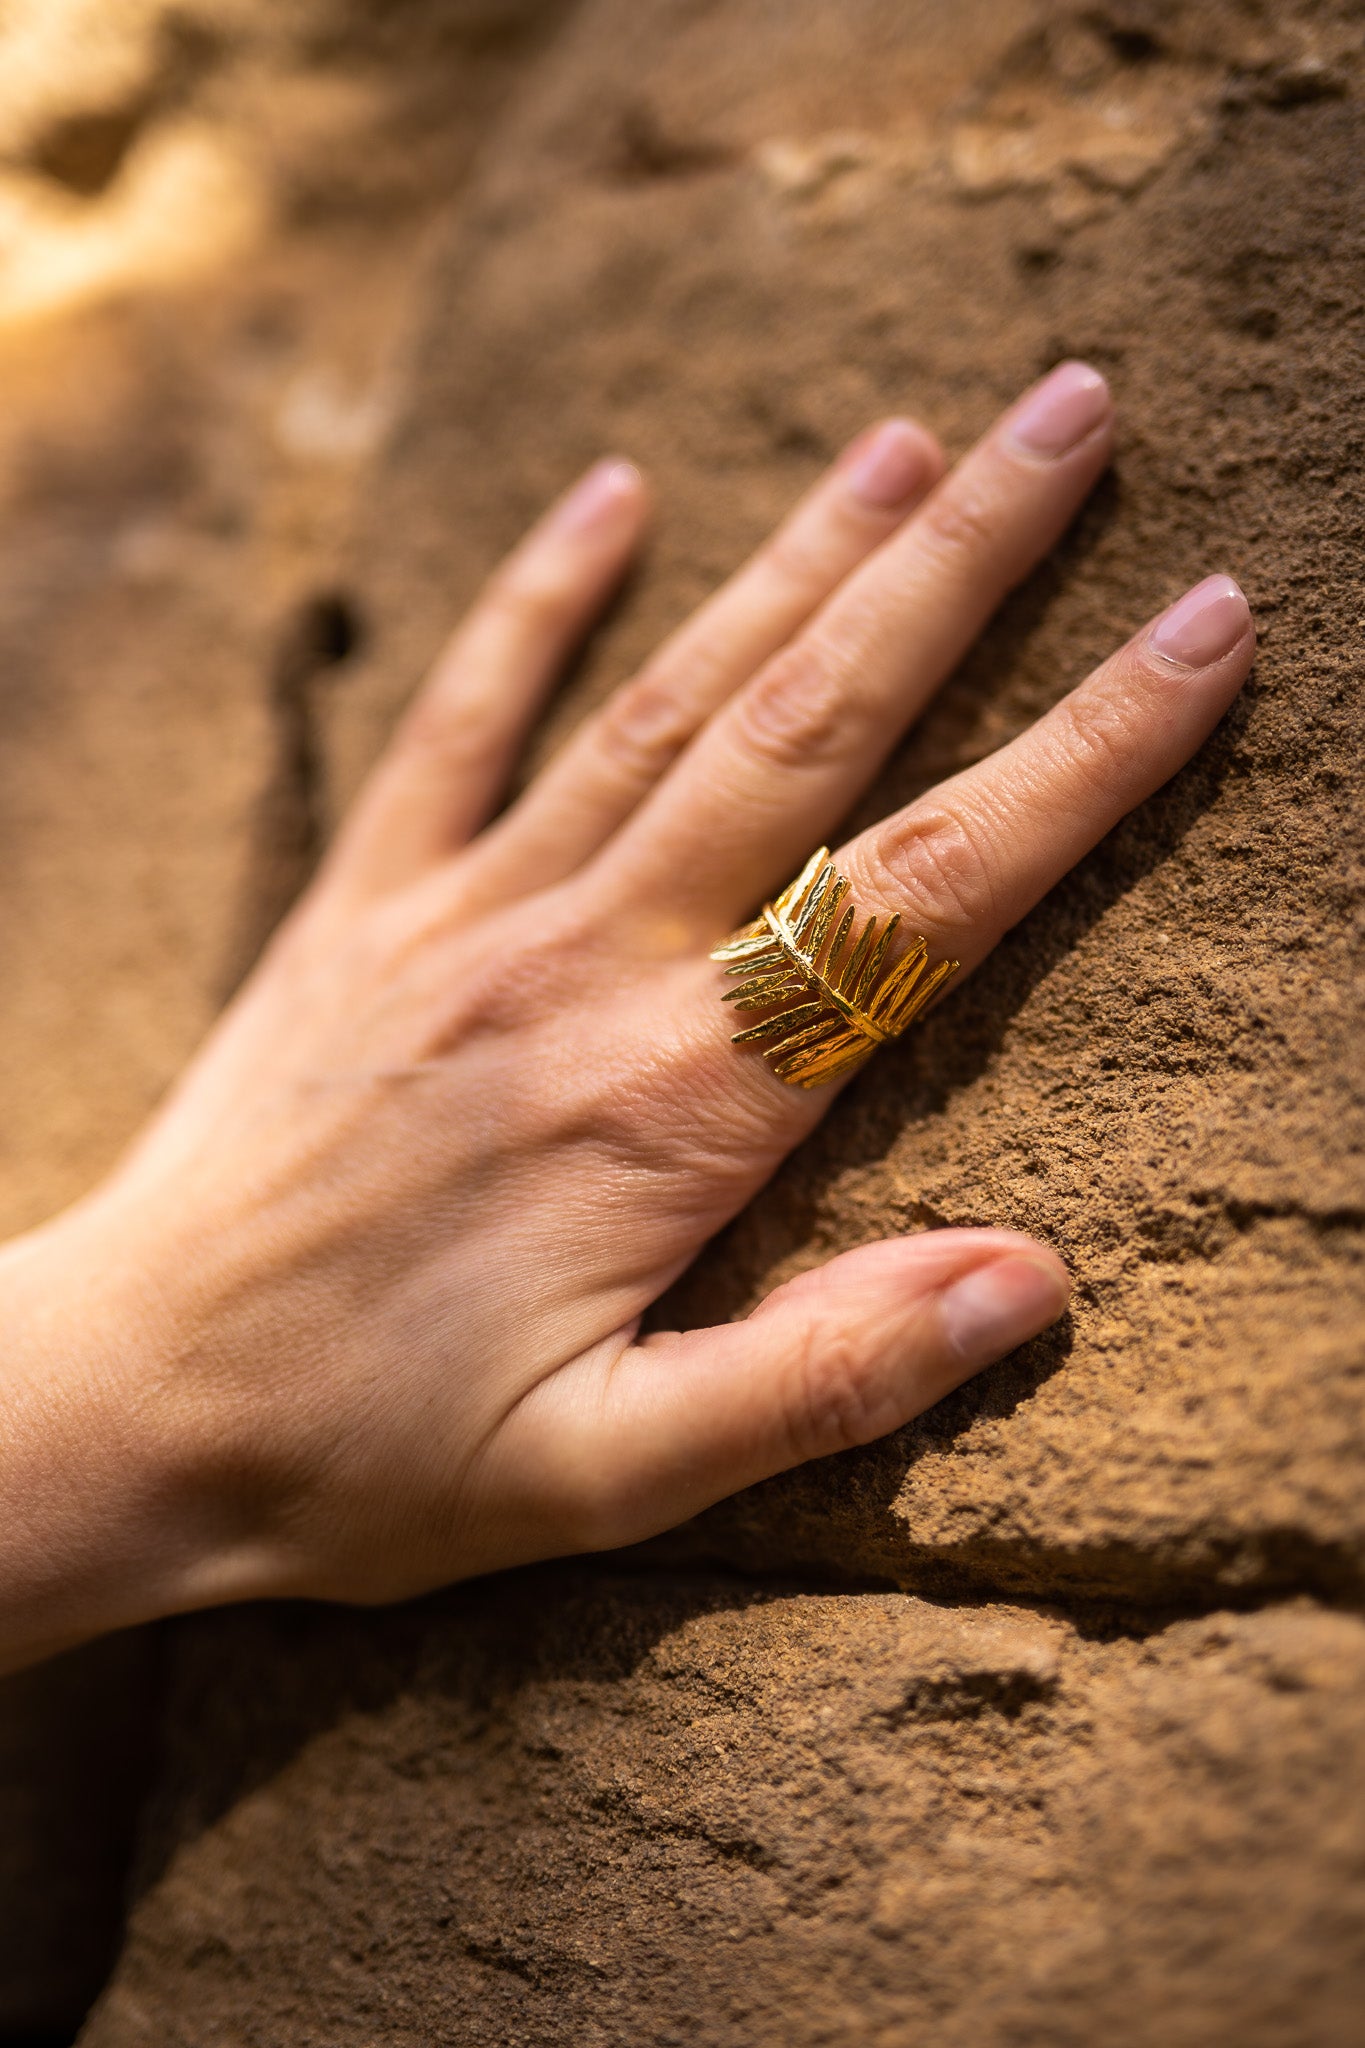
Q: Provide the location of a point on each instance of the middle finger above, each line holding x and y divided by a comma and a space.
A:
777, 768
617, 756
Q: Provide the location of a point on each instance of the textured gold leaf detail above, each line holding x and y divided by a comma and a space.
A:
840, 999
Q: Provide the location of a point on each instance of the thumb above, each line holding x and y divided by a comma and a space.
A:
835, 1358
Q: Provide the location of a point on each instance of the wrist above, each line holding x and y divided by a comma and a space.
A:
113, 1506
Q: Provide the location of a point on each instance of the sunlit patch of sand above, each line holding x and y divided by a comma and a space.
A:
179, 200
59, 57
185, 205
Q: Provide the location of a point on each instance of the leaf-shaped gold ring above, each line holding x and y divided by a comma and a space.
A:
838, 998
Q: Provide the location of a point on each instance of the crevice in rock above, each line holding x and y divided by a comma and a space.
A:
1258, 1568
287, 835
85, 150
1243, 1214
968, 1695
644, 151
1130, 44
728, 1846
1110, 1590
1205, 1227
494, 1951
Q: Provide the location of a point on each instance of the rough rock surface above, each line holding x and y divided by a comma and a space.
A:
244, 498
585, 1809
77, 1749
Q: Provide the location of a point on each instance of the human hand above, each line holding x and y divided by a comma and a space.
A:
357, 1316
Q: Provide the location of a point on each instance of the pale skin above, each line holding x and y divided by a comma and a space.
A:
357, 1315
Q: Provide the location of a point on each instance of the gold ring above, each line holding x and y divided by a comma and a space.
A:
840, 1000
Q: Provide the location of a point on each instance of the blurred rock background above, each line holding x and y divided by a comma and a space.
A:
1041, 1722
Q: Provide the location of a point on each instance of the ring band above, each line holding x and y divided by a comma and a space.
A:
839, 999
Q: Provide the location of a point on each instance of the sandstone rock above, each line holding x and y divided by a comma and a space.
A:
573, 1808
76, 1760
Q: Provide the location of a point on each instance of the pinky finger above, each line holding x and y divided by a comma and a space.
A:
447, 766
633, 1439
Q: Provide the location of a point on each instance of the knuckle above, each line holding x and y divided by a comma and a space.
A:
451, 741
963, 522
1096, 729
531, 597
645, 726
835, 1402
940, 870
800, 711
796, 558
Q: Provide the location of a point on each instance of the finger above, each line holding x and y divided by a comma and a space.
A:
967, 861
777, 768
620, 753
623, 1446
449, 761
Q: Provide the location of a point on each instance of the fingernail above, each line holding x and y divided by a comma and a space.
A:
1060, 411
884, 467
1203, 625
597, 495
999, 1305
